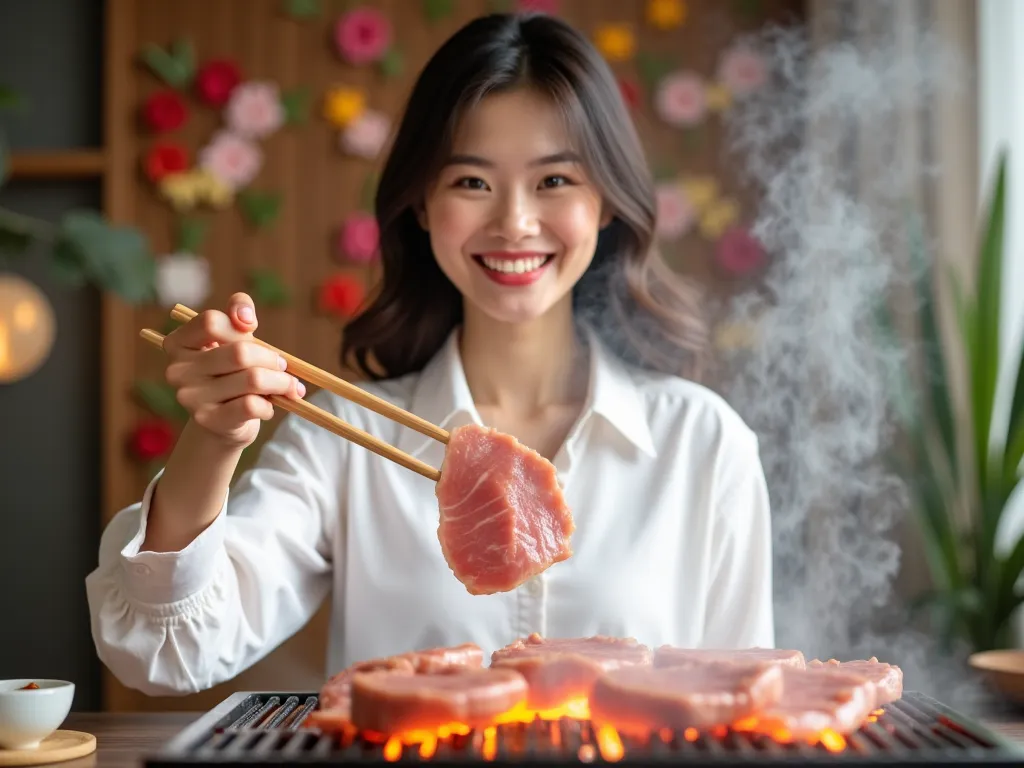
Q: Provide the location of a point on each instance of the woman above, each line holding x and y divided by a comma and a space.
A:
520, 291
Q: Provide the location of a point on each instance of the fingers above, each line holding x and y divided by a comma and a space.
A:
227, 388
233, 415
190, 368
209, 327
242, 312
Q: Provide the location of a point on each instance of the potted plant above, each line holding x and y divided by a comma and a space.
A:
961, 503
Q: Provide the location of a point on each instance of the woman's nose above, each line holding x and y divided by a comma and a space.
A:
516, 218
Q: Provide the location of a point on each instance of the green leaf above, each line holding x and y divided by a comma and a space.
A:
435, 10
166, 66
296, 105
66, 266
184, 52
8, 98
302, 9
14, 238
116, 259
1015, 426
652, 68
260, 208
367, 197
161, 400
191, 234
1010, 571
985, 363
267, 289
391, 65
935, 370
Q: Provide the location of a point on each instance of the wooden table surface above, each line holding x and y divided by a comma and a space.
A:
123, 739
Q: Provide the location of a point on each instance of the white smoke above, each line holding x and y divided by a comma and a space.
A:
838, 178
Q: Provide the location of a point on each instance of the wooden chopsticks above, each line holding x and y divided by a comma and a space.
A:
322, 418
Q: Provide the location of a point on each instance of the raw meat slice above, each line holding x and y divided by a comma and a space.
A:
559, 670
819, 698
436, 659
669, 656
334, 706
888, 678
388, 703
638, 700
503, 516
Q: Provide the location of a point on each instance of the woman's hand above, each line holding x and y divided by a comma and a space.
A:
223, 377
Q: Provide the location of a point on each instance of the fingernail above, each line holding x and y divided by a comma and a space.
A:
246, 315
282, 363
301, 388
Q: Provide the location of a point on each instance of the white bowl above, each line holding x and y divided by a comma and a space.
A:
28, 717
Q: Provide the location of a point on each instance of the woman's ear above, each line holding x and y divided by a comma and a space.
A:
607, 214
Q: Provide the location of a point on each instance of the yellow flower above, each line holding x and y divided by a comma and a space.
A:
717, 97
732, 336
343, 105
212, 190
181, 190
718, 218
666, 14
615, 41
701, 191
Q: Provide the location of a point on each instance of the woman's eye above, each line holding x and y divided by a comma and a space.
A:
555, 181
471, 182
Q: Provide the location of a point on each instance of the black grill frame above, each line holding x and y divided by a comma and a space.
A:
917, 730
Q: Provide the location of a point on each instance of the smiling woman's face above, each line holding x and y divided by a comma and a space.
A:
513, 218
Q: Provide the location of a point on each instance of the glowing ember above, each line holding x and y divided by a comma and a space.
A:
833, 741
490, 747
393, 749
609, 743
691, 734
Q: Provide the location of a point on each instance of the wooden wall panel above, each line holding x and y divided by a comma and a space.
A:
319, 185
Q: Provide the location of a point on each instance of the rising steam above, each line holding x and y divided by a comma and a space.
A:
827, 145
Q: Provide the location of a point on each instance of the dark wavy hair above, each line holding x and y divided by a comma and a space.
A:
643, 310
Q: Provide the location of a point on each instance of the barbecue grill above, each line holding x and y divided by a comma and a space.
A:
251, 729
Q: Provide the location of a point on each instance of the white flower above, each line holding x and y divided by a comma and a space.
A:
182, 278
255, 110
231, 158
366, 135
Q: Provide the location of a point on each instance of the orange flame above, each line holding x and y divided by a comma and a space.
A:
609, 743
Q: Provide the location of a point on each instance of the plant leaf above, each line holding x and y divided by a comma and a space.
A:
295, 103
1015, 426
435, 10
392, 64
191, 234
302, 9
935, 370
985, 366
164, 65
1010, 570
14, 239
161, 400
116, 259
260, 208
267, 288
184, 52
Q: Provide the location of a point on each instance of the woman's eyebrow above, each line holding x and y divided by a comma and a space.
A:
565, 156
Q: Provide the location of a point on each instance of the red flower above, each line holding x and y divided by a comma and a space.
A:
341, 295
165, 111
630, 92
152, 439
739, 253
216, 80
165, 158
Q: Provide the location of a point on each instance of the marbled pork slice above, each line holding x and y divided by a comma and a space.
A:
670, 656
503, 516
640, 700
888, 678
821, 697
559, 670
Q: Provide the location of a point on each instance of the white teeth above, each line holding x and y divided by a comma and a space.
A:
514, 266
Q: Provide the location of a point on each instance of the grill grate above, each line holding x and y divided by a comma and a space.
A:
249, 729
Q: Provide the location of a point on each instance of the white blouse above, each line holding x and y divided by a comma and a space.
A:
672, 542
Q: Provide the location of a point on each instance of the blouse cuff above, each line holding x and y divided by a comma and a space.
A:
166, 577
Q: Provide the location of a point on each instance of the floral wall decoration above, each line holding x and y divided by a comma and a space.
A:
210, 121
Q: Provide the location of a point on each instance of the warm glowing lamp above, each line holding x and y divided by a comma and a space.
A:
27, 328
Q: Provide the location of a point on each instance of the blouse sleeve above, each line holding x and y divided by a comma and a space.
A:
171, 623
740, 612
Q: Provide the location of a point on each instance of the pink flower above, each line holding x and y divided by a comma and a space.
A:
742, 70
680, 99
366, 135
676, 213
254, 110
362, 35
550, 7
739, 253
360, 237
231, 158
